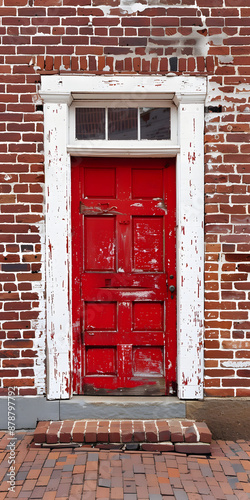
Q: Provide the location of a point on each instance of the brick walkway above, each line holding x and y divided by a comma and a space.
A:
89, 475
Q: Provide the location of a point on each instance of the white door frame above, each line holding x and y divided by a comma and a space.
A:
188, 94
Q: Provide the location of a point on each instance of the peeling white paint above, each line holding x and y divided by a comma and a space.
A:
131, 7
140, 293
235, 364
120, 270
190, 249
226, 59
36, 99
58, 268
162, 205
39, 324
106, 10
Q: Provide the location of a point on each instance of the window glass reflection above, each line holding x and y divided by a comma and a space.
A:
155, 123
122, 123
90, 123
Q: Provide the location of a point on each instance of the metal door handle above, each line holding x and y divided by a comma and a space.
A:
172, 288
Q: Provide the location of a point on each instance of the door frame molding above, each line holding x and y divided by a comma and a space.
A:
188, 94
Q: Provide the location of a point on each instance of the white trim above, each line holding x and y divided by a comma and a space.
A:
189, 95
58, 250
129, 85
190, 250
94, 148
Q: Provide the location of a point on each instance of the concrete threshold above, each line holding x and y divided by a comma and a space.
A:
120, 407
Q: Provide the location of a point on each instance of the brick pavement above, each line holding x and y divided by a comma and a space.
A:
61, 474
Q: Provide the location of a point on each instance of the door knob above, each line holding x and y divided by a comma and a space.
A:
172, 288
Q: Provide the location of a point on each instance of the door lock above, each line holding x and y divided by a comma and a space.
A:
172, 289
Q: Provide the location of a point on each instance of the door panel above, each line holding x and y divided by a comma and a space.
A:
99, 243
123, 240
100, 182
147, 183
147, 316
147, 243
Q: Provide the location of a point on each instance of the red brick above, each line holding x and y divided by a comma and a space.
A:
40, 432
8, 373
17, 362
66, 431
28, 392
12, 382
163, 430
53, 432
165, 21
110, 446
154, 11
91, 432
139, 432
18, 343
103, 431
126, 431
79, 431
242, 392
235, 382
193, 448
163, 447
190, 435
176, 431
151, 431
137, 64
114, 435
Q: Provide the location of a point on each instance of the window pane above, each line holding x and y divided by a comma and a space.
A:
122, 123
90, 123
155, 123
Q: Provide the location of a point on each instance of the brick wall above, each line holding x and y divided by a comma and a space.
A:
203, 37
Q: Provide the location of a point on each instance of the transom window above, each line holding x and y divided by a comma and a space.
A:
122, 123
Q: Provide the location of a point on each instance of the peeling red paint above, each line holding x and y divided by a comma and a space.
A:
67, 385
191, 157
50, 250
132, 297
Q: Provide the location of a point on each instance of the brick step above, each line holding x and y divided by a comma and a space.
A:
183, 436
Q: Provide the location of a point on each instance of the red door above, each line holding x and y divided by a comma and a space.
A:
124, 313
